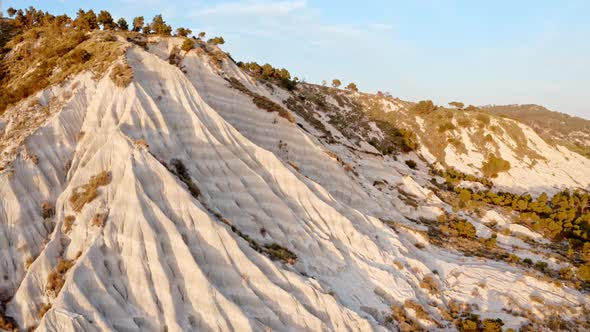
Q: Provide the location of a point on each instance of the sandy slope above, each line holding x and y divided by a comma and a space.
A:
164, 260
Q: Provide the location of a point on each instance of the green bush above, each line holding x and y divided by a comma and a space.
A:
465, 229
352, 87
584, 272
541, 266
276, 252
494, 165
492, 325
187, 45
183, 32
216, 41
411, 164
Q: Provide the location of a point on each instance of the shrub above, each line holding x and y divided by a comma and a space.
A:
55, 279
78, 55
483, 118
566, 273
352, 87
494, 165
187, 45
47, 210
464, 122
469, 324
122, 24
411, 164
88, 192
216, 41
446, 127
584, 272
465, 229
586, 251
122, 75
456, 104
492, 325
430, 285
43, 310
276, 252
424, 107
528, 261
181, 171
183, 32
336, 83
541, 266
99, 220
7, 323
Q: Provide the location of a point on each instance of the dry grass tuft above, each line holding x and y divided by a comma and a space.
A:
88, 192
55, 279
430, 285
122, 75
68, 223
99, 220
44, 309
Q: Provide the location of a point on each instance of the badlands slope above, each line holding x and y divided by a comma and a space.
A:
199, 179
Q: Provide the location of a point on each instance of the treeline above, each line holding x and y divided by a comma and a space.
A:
268, 72
90, 20
427, 107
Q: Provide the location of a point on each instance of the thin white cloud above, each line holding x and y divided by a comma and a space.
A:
265, 7
381, 26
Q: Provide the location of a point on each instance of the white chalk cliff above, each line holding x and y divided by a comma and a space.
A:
200, 180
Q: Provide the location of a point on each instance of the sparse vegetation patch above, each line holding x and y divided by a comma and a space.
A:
261, 101
122, 75
88, 192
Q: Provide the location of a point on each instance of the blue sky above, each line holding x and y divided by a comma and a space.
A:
479, 52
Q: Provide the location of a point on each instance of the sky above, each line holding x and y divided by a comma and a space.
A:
478, 52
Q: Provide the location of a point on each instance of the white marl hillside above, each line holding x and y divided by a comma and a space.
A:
203, 188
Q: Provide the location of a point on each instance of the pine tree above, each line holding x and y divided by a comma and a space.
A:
138, 23
106, 20
160, 27
183, 32
11, 12
122, 24
352, 87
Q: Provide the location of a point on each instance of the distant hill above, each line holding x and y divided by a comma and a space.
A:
571, 131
